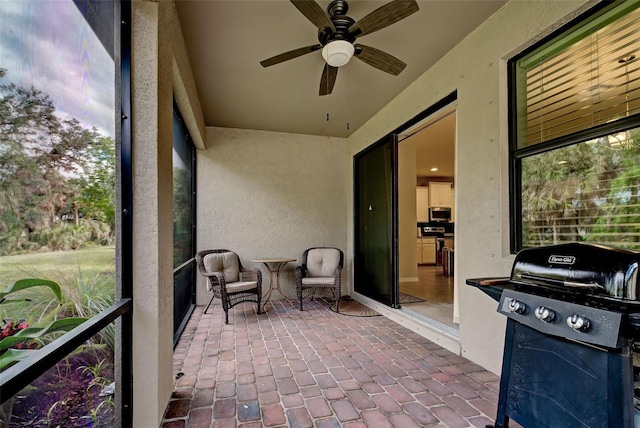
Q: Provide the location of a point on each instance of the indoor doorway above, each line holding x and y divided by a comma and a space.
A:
426, 217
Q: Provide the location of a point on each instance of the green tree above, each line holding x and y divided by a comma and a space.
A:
47, 168
96, 198
584, 192
620, 222
181, 215
561, 190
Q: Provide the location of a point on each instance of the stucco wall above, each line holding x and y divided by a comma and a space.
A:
476, 68
266, 194
152, 107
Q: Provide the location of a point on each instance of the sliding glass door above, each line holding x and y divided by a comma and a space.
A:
184, 221
375, 230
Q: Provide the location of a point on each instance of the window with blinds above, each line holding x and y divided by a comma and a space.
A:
575, 147
584, 78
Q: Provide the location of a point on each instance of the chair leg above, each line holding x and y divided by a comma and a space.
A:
207, 308
300, 298
226, 306
259, 302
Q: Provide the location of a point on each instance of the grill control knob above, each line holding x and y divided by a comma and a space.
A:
545, 314
578, 323
517, 307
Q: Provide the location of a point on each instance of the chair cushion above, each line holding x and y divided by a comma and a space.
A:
319, 280
226, 263
322, 262
235, 287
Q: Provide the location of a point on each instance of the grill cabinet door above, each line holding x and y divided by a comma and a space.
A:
552, 382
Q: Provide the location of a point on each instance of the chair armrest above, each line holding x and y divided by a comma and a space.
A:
251, 274
301, 272
213, 274
213, 279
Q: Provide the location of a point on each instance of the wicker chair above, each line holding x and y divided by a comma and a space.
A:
321, 268
228, 280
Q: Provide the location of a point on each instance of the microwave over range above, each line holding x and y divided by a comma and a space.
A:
439, 214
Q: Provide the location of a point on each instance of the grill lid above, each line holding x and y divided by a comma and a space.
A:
580, 268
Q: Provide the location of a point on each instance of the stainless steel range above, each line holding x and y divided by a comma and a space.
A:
573, 320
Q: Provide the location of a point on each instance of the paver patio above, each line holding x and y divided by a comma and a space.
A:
316, 368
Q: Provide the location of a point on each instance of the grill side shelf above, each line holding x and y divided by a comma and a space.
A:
493, 287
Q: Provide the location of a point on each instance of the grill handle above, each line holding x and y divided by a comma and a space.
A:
591, 286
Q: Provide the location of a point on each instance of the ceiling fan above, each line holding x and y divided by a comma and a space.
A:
337, 34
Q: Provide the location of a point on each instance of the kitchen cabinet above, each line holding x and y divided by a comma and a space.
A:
426, 250
422, 204
439, 194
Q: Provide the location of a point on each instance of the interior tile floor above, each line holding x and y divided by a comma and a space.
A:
437, 291
316, 368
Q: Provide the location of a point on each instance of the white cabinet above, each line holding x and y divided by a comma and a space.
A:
440, 194
426, 248
422, 204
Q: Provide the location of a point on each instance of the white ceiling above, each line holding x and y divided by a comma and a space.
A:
434, 140
226, 40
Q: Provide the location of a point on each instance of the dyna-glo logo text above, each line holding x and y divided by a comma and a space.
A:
562, 260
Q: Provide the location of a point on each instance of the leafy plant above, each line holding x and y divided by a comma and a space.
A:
94, 413
98, 380
9, 355
84, 293
24, 284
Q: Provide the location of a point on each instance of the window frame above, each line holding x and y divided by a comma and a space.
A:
516, 155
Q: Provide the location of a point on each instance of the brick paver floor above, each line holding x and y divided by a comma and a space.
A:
316, 368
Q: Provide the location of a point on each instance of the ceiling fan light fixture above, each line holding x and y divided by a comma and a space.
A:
338, 52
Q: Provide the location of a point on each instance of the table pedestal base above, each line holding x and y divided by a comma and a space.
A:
274, 267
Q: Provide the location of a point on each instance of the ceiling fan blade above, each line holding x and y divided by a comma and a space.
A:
328, 79
314, 13
289, 55
379, 59
384, 16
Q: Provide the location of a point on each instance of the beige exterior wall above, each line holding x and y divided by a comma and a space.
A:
267, 194
156, 77
476, 68
185, 92
152, 218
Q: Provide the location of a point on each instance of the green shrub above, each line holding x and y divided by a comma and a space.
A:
21, 338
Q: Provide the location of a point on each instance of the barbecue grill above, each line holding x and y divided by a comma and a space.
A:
573, 320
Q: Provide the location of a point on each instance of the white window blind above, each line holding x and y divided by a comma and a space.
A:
586, 78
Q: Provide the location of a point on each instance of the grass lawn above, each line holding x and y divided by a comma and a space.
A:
83, 275
43, 265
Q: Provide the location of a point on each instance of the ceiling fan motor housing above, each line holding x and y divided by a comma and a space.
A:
337, 10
